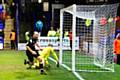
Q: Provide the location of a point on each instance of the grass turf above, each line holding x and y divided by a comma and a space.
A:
81, 58
84, 62
12, 68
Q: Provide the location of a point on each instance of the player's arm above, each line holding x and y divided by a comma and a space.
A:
28, 48
54, 54
38, 45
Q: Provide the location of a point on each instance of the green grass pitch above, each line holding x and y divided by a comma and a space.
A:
12, 68
81, 58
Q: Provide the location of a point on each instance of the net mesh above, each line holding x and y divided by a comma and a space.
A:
94, 49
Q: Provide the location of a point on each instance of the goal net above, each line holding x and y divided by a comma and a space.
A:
93, 28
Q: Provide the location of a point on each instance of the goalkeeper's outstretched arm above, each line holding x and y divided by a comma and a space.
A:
55, 56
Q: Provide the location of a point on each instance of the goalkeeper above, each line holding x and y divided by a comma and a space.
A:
45, 53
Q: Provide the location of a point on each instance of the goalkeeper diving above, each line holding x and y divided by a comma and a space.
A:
40, 56
44, 54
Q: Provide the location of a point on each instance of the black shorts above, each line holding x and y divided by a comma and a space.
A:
37, 54
31, 56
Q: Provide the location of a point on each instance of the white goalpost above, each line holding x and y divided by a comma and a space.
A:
93, 27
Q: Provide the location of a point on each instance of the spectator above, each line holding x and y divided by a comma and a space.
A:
51, 33
58, 32
117, 48
70, 38
12, 38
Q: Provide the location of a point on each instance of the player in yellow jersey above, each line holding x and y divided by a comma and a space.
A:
45, 53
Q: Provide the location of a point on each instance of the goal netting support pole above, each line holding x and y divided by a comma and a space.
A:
93, 29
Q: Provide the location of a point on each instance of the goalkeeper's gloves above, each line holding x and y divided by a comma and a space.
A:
58, 64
